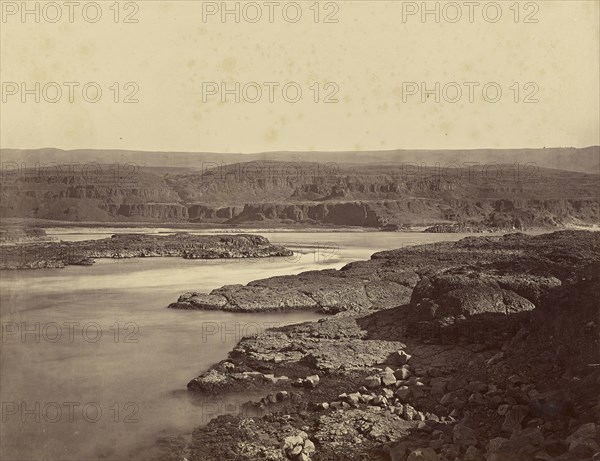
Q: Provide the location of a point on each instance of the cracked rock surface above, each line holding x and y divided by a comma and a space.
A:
493, 354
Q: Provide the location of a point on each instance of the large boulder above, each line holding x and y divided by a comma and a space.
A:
468, 293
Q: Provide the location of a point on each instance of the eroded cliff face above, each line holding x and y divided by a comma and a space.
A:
311, 194
88, 195
510, 214
152, 211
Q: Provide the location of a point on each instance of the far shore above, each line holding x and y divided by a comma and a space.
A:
265, 227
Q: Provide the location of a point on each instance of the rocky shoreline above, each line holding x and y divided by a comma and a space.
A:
483, 349
45, 255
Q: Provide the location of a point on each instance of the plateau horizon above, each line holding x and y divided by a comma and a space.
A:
121, 173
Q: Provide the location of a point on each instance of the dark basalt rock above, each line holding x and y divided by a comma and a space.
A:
524, 387
183, 245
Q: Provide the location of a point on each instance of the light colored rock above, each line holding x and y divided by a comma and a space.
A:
372, 382
309, 447
388, 379
402, 373
311, 381
292, 441
409, 413
353, 399
379, 400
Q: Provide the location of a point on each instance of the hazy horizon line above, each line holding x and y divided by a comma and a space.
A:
299, 151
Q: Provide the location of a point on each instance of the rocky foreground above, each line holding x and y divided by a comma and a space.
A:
483, 349
60, 254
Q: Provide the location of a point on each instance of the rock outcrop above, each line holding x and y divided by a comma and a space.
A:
183, 245
303, 194
524, 387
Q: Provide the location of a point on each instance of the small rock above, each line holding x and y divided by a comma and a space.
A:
583, 436
292, 441
476, 398
336, 405
353, 399
447, 398
282, 395
403, 357
379, 400
463, 435
496, 358
514, 417
372, 382
311, 381
409, 413
477, 386
473, 454
403, 393
450, 451
309, 447
388, 379
517, 379
423, 454
503, 409
402, 373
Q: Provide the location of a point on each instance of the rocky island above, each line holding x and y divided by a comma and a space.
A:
183, 245
483, 349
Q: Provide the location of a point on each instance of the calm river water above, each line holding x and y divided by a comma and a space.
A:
95, 367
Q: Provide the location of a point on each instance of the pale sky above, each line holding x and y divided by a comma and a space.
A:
370, 58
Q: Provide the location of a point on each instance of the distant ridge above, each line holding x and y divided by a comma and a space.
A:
497, 190
585, 160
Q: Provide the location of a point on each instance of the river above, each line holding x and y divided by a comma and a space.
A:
95, 367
